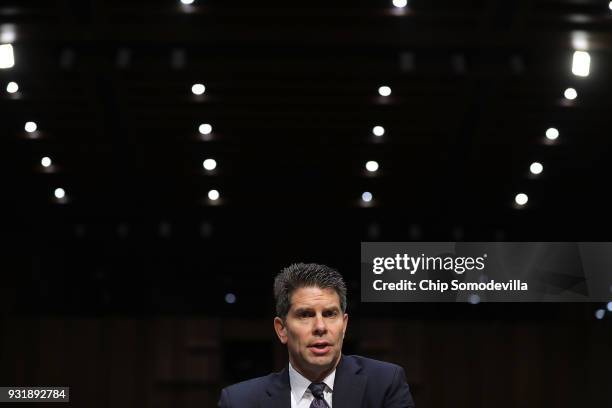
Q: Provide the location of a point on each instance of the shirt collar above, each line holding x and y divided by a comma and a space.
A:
299, 383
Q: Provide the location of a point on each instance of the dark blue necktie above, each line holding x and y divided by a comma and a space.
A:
317, 392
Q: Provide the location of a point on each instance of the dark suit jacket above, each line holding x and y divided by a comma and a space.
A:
359, 383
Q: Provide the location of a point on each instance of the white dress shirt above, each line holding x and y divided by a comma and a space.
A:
301, 397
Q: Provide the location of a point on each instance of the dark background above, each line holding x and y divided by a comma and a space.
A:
119, 291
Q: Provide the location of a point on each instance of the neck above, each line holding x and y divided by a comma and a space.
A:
315, 375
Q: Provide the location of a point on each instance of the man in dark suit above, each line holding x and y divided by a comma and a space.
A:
311, 320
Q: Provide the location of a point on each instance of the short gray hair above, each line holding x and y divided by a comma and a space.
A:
303, 275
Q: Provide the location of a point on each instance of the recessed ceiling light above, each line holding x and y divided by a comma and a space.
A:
198, 89
209, 164
570, 93
30, 127
536, 168
366, 197
581, 63
371, 166
7, 58
552, 133
205, 129
378, 131
213, 195
384, 91
12, 87
521, 199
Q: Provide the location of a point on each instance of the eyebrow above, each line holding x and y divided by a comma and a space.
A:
310, 309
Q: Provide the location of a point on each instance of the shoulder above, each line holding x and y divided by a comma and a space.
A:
248, 393
249, 388
381, 370
386, 382
371, 364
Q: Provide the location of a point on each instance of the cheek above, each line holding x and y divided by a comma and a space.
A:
340, 332
297, 337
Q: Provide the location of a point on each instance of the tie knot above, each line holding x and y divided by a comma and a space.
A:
317, 389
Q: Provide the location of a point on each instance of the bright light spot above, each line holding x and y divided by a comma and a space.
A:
30, 127
198, 89
230, 298
609, 306
45, 162
187, 2
7, 33
205, 129
7, 58
610, 5
570, 93
59, 193
378, 131
599, 314
552, 133
521, 199
213, 195
474, 299
384, 91
536, 168
12, 87
210, 164
400, 3
371, 166
580, 40
366, 197
581, 63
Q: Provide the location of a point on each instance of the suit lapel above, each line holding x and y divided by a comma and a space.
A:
278, 392
349, 384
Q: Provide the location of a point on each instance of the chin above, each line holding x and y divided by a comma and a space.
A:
323, 361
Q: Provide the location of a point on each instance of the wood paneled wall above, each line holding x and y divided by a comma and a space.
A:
182, 362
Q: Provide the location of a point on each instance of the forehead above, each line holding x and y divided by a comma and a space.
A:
313, 296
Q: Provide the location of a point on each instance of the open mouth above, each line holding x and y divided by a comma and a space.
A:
320, 348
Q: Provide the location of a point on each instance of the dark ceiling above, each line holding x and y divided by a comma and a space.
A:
291, 93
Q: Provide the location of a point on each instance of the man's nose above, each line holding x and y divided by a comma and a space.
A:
319, 325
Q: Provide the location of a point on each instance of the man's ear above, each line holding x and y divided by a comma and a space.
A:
345, 324
280, 329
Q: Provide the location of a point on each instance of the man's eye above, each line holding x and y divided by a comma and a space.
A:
331, 314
